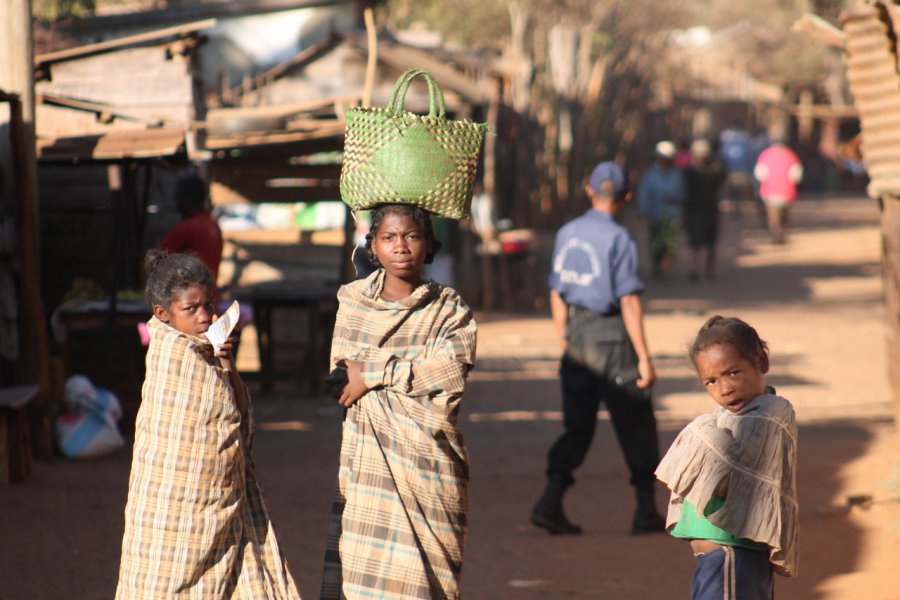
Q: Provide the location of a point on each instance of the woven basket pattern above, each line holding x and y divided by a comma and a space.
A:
394, 156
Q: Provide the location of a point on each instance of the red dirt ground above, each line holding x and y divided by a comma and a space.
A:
818, 303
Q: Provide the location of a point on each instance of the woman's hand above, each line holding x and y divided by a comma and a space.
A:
356, 388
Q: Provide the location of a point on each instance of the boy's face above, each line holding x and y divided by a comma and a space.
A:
190, 311
731, 379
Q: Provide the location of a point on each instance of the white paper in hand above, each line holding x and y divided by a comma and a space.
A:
219, 331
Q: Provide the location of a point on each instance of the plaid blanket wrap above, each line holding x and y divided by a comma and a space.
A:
756, 448
196, 524
398, 524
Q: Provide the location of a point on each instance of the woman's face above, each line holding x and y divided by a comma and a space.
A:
401, 246
190, 311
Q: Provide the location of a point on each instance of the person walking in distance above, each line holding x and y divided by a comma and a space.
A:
779, 171
660, 195
596, 308
703, 181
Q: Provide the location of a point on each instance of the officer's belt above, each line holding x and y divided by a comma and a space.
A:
576, 311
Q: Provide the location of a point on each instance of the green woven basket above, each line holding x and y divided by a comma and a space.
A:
394, 156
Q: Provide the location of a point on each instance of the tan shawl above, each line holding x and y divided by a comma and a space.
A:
398, 526
757, 449
196, 524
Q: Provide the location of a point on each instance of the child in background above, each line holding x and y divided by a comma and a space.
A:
196, 523
731, 471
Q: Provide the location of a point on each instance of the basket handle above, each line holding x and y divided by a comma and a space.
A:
435, 96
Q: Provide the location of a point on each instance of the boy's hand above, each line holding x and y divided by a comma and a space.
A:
356, 388
648, 374
722, 488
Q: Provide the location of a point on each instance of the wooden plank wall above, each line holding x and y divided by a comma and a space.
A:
145, 82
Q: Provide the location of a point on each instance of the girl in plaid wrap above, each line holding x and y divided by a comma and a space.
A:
398, 524
196, 524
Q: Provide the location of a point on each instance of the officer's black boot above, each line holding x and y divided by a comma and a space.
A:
646, 517
548, 511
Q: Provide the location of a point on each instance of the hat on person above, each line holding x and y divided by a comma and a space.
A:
611, 172
701, 148
665, 149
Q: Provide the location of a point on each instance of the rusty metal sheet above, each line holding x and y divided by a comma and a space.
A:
115, 145
872, 73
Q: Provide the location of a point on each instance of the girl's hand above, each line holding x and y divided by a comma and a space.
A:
226, 358
356, 388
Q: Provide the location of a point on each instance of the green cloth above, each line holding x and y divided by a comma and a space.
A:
693, 526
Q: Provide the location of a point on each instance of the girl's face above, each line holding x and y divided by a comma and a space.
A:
731, 379
190, 311
401, 247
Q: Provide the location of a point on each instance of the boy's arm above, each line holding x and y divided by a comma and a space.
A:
633, 316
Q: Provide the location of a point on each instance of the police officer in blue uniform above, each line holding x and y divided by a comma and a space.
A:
596, 308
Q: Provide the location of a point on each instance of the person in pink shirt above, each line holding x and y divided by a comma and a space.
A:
779, 171
197, 233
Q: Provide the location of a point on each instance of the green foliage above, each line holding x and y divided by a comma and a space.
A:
58, 10
771, 50
473, 23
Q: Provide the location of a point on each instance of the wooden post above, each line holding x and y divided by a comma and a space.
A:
890, 262
17, 159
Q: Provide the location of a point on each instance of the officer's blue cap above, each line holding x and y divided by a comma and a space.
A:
608, 171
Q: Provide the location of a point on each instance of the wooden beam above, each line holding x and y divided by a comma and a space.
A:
819, 29
256, 169
242, 141
117, 44
279, 110
235, 191
193, 11
295, 62
105, 113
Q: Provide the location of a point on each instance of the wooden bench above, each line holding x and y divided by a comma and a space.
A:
15, 439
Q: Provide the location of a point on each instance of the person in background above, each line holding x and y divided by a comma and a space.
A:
596, 308
198, 232
738, 154
779, 171
703, 183
683, 156
660, 195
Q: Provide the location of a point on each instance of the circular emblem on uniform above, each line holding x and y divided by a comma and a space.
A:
578, 271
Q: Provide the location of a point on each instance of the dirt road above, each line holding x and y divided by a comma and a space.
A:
817, 301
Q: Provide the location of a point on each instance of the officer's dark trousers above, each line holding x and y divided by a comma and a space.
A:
600, 365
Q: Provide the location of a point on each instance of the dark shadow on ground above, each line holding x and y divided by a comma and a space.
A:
508, 558
62, 528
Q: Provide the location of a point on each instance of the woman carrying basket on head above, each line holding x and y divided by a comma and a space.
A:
402, 348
